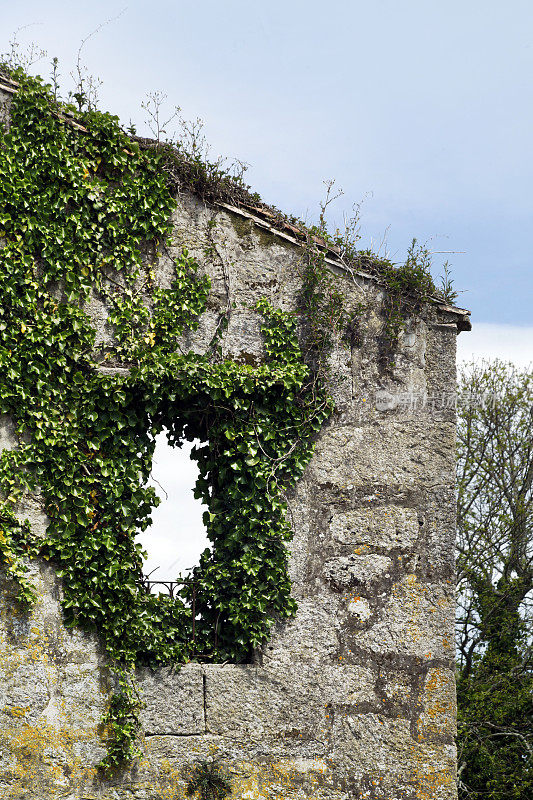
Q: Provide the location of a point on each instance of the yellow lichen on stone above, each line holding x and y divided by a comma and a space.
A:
17, 711
284, 779
42, 761
438, 702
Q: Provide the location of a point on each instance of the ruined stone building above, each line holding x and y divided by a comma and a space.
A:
352, 696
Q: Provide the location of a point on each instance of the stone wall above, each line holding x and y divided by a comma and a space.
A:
354, 698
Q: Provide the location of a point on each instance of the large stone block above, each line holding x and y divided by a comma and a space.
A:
386, 452
416, 621
313, 636
283, 703
357, 570
174, 700
380, 759
438, 717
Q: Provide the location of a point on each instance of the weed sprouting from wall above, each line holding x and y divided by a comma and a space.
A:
208, 780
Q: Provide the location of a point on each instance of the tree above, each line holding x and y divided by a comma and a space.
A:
495, 582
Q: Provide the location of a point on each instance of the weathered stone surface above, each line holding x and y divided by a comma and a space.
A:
174, 700
360, 608
312, 637
438, 717
31, 509
8, 439
381, 760
357, 570
396, 689
386, 527
5, 103
417, 621
278, 704
54, 691
371, 454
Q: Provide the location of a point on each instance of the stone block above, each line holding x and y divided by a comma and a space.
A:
417, 620
396, 689
357, 570
387, 452
439, 714
26, 691
279, 703
348, 684
387, 527
252, 701
174, 700
31, 509
313, 636
382, 761
87, 695
8, 438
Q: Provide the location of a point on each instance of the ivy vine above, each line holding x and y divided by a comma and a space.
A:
84, 215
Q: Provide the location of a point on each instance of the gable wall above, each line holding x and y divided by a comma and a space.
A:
354, 698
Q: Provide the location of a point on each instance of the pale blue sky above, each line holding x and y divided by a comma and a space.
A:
422, 109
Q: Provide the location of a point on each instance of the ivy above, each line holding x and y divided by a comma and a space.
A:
408, 286
14, 546
84, 216
121, 724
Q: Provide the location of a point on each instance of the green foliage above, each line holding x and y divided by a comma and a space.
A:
408, 286
495, 706
14, 546
322, 305
212, 181
495, 582
446, 290
121, 723
84, 215
208, 780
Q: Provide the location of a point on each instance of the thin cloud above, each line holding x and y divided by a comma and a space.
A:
488, 340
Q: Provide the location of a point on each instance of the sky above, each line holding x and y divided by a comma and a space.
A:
421, 111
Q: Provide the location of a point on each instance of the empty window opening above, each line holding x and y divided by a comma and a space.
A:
177, 536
